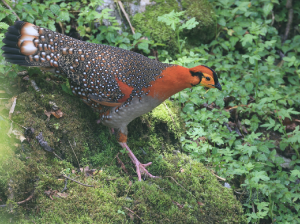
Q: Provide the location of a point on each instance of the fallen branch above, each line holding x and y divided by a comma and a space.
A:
23, 72
12, 109
221, 178
289, 6
127, 17
121, 163
133, 213
74, 154
4, 2
21, 202
181, 185
78, 181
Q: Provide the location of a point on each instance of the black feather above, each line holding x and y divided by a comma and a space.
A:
10, 43
19, 24
14, 56
11, 37
11, 50
13, 30
18, 62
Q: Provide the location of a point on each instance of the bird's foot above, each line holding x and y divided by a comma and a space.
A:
140, 168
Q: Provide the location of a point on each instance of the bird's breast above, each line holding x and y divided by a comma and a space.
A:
123, 115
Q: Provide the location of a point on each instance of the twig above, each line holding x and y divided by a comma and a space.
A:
35, 86
27, 199
74, 154
126, 16
181, 185
12, 109
121, 163
4, 2
227, 125
23, 72
253, 208
62, 27
221, 178
240, 198
21, 202
290, 19
133, 213
57, 156
273, 18
78, 181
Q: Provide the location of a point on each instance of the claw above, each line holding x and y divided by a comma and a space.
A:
140, 168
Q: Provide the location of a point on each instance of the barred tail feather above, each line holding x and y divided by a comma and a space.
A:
29, 45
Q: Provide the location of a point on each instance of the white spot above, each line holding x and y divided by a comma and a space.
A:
28, 29
25, 38
28, 48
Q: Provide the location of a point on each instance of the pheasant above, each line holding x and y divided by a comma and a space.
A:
118, 84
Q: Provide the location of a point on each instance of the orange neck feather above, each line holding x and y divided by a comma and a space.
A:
174, 79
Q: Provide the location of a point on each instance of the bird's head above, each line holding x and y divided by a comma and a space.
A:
207, 76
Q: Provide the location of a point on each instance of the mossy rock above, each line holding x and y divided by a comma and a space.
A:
204, 13
186, 191
146, 22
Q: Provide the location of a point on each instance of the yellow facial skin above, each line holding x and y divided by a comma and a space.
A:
208, 81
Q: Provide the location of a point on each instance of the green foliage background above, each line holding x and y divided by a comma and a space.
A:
242, 132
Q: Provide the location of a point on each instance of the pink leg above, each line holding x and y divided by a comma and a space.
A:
140, 168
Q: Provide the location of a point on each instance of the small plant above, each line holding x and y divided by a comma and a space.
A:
56, 126
173, 20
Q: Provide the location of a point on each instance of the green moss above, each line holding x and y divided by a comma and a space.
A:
204, 13
202, 10
177, 197
146, 23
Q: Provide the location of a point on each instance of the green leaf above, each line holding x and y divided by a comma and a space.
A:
295, 173
261, 157
189, 108
270, 125
144, 46
64, 16
267, 8
222, 21
3, 26
121, 212
283, 145
259, 175
248, 38
55, 9
137, 36
63, 5
171, 19
247, 149
190, 24
249, 86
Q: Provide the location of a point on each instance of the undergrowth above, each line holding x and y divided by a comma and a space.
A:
248, 133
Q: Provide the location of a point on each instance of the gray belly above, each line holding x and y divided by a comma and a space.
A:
126, 114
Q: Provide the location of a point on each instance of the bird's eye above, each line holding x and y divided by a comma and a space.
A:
207, 78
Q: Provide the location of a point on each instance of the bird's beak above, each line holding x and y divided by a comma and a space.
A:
218, 86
